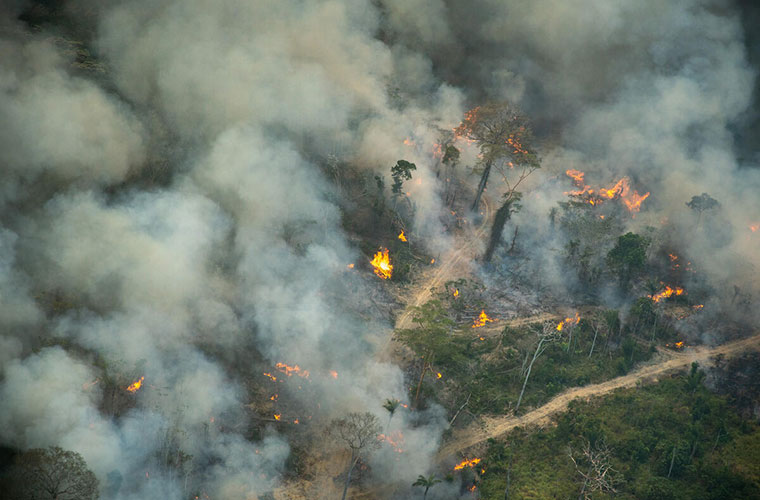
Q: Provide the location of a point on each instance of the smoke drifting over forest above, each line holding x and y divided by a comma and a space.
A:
166, 209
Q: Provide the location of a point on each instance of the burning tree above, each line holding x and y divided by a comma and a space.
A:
504, 137
549, 333
599, 474
358, 432
52, 473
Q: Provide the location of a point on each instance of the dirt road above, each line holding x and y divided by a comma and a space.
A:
494, 427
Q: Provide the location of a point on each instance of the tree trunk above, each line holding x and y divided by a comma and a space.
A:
593, 343
527, 375
499, 221
509, 474
481, 186
348, 476
672, 461
422, 377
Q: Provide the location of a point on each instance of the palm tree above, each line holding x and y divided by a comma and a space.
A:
391, 405
427, 482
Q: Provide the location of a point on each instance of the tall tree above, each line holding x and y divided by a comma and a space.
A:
505, 140
391, 405
52, 474
702, 203
427, 483
548, 334
358, 432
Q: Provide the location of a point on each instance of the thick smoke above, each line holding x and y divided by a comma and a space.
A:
168, 216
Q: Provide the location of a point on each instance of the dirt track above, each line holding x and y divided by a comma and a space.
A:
495, 427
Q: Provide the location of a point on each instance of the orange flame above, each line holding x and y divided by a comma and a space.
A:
408, 142
395, 440
277, 416
334, 374
467, 463
432, 261
576, 175
456, 292
668, 292
350, 266
135, 386
754, 227
291, 370
697, 307
679, 345
402, 236
272, 377
482, 319
438, 375
633, 203
568, 322
382, 264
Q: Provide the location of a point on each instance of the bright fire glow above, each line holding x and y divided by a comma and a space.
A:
467, 463
291, 370
270, 376
382, 264
402, 236
438, 375
621, 189
334, 374
135, 386
482, 319
568, 322
668, 292
456, 292
277, 416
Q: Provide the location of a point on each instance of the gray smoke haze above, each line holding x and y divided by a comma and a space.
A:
235, 258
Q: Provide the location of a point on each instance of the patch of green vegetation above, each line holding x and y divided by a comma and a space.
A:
673, 440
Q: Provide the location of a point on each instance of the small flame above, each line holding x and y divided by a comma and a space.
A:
697, 307
274, 397
754, 227
296, 421
271, 377
402, 236
277, 416
456, 292
668, 292
395, 439
432, 261
408, 142
334, 374
473, 488
679, 345
438, 375
135, 386
291, 370
350, 266
382, 264
467, 463
482, 319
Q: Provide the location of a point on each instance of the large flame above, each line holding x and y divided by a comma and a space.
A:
135, 386
382, 264
482, 319
621, 189
467, 463
668, 292
568, 322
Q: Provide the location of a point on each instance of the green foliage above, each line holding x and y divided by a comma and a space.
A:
451, 155
629, 256
642, 427
400, 172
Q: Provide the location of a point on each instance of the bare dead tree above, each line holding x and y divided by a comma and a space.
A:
358, 432
595, 467
546, 336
